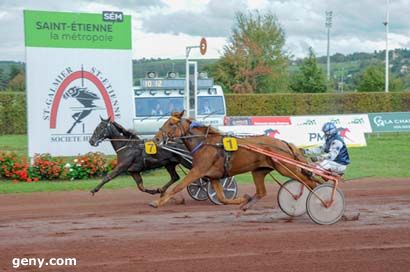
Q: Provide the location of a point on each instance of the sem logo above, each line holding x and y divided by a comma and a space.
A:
113, 16
74, 96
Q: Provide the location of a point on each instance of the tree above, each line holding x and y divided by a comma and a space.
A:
14, 71
310, 78
254, 60
372, 80
18, 83
3, 80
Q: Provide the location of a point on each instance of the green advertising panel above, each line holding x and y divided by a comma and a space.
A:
390, 122
77, 30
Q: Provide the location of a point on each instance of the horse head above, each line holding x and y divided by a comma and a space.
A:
174, 127
104, 130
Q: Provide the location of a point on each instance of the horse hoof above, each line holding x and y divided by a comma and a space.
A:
244, 208
180, 201
92, 193
154, 204
239, 214
246, 205
248, 198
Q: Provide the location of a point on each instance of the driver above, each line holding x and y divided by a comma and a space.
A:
157, 110
332, 155
206, 109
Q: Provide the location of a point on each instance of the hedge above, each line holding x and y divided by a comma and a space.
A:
13, 105
311, 104
13, 113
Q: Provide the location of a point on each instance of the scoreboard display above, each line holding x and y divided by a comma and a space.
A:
165, 83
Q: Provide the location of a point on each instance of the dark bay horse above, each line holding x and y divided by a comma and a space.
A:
132, 158
209, 159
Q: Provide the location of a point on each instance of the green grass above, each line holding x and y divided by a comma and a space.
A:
386, 155
82, 185
14, 143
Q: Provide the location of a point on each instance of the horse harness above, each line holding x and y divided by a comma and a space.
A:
227, 155
129, 140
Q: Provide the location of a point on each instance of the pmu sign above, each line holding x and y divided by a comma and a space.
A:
79, 67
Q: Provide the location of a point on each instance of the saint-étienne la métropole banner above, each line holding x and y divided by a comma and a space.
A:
79, 67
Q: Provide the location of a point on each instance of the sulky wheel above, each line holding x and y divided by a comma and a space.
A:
197, 189
321, 214
230, 190
292, 197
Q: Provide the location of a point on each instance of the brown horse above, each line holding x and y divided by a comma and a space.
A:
209, 159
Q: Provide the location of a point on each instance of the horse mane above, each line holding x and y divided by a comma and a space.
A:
211, 130
126, 132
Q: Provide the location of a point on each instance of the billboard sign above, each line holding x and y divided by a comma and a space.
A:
390, 122
304, 131
79, 67
353, 122
300, 136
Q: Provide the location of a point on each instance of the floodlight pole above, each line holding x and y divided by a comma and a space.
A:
187, 106
329, 15
386, 24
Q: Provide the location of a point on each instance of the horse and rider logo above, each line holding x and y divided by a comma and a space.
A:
271, 132
343, 133
86, 98
79, 94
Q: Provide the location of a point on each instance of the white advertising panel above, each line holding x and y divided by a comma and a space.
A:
304, 131
79, 67
353, 122
300, 136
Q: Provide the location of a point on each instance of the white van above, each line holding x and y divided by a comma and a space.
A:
156, 98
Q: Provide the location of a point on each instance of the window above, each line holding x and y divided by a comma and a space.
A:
210, 105
157, 106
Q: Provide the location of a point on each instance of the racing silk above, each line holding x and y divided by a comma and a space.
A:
336, 150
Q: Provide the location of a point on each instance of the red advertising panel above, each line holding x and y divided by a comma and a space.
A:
271, 120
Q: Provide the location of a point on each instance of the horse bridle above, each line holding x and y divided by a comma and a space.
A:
185, 135
166, 136
108, 130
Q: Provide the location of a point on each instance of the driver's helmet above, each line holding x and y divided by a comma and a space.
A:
329, 129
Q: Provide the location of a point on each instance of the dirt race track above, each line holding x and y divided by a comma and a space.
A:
117, 231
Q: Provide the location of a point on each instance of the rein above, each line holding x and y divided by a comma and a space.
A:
123, 140
111, 131
186, 136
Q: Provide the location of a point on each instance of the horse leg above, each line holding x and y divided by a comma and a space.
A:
259, 181
221, 196
193, 175
113, 174
140, 184
174, 177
